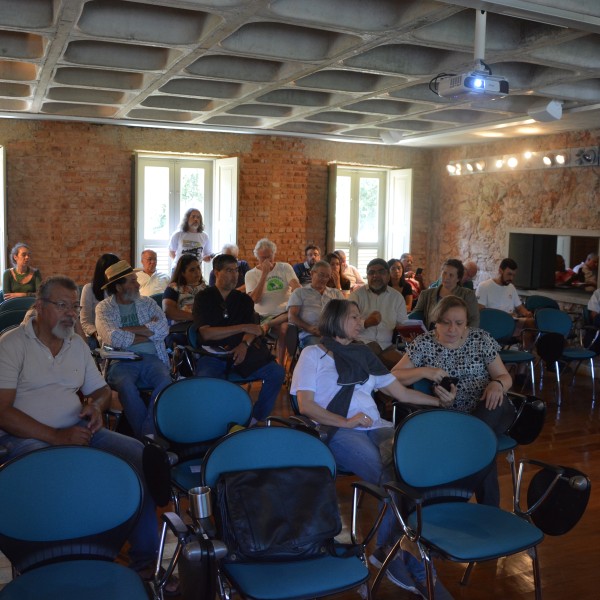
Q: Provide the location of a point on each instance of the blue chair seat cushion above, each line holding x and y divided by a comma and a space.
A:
577, 354
77, 580
186, 474
466, 532
506, 443
515, 356
297, 580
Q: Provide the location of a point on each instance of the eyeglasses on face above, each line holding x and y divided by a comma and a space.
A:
63, 306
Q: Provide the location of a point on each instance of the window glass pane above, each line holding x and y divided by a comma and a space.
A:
191, 182
368, 210
156, 201
342, 209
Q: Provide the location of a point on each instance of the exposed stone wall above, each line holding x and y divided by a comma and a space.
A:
472, 214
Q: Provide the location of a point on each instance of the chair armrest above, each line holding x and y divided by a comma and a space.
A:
370, 488
406, 490
558, 473
178, 528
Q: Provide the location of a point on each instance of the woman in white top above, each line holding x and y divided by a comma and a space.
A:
190, 238
333, 382
91, 295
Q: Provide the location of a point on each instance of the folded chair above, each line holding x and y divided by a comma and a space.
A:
189, 415
65, 513
261, 452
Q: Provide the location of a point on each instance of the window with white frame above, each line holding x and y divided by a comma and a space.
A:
3, 236
369, 213
168, 185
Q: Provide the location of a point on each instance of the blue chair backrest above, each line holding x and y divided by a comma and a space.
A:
423, 386
263, 448
23, 304
536, 301
66, 492
436, 447
553, 320
192, 335
200, 409
294, 404
497, 323
417, 315
11, 317
158, 298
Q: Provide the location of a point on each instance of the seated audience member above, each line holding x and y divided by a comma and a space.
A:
349, 272
594, 308
382, 310
225, 317
338, 280
127, 321
179, 295
243, 267
415, 280
40, 406
93, 293
21, 279
562, 275
398, 283
587, 271
151, 281
452, 274
307, 303
324, 382
454, 349
312, 254
500, 293
269, 285
471, 270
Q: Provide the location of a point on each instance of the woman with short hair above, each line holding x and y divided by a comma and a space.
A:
22, 279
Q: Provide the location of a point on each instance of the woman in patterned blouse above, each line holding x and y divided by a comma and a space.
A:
469, 354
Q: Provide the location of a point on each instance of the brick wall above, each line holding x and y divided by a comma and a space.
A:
69, 187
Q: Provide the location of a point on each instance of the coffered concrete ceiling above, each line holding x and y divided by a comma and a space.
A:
354, 70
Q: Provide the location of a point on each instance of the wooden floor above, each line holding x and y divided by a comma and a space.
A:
570, 564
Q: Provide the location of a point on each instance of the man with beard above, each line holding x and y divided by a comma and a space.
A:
43, 367
500, 293
127, 321
382, 310
312, 254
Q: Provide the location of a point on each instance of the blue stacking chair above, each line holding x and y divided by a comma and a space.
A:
277, 447
500, 325
455, 451
65, 512
10, 318
190, 414
158, 298
550, 320
537, 301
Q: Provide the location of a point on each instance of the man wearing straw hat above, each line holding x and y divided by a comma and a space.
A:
127, 321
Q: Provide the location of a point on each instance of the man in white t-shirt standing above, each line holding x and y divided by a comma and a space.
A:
269, 285
500, 293
190, 239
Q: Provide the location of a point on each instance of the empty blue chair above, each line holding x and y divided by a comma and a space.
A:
500, 325
65, 512
23, 303
550, 320
536, 301
190, 415
438, 481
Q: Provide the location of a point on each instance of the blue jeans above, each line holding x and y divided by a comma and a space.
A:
368, 454
127, 377
144, 536
272, 376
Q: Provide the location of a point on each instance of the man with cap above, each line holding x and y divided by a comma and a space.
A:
382, 309
127, 321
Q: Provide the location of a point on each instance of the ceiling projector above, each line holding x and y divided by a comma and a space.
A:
473, 84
